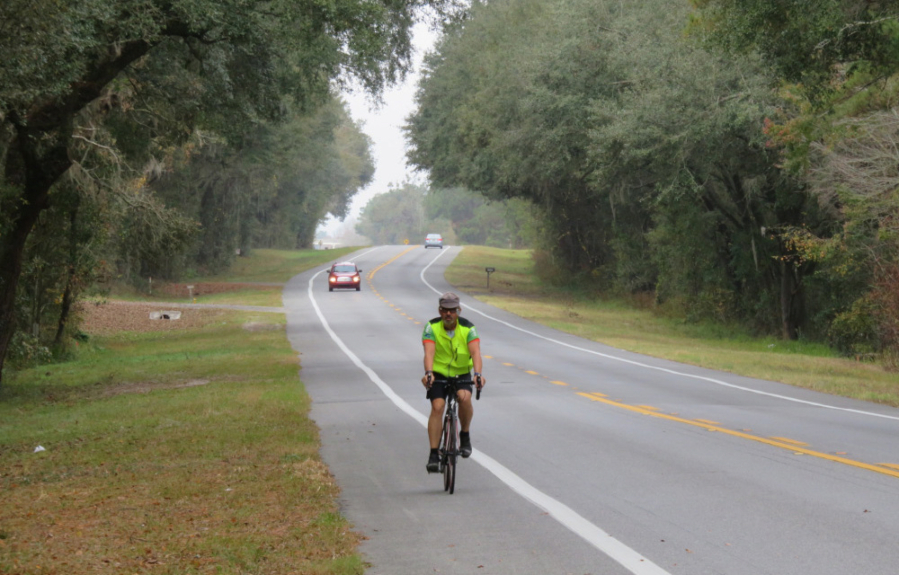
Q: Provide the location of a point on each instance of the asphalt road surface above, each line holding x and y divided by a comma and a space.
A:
587, 459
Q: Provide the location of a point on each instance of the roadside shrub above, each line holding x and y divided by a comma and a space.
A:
886, 296
855, 331
26, 351
547, 268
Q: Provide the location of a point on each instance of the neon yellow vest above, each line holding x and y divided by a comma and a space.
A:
451, 357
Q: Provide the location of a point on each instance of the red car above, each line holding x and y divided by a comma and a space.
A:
344, 275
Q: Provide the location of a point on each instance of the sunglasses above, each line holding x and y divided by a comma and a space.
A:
449, 310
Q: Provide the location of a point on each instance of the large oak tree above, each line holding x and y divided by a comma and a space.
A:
234, 62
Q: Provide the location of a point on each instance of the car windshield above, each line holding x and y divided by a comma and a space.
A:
433, 236
344, 269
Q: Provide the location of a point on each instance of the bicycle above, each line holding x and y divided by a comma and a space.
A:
449, 438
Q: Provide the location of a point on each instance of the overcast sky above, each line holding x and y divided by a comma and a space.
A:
384, 126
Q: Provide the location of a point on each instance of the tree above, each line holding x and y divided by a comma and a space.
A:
243, 58
812, 46
272, 190
508, 223
836, 130
619, 128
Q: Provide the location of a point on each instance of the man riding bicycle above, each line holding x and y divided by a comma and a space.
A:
452, 348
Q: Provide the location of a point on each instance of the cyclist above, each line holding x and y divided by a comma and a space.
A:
452, 348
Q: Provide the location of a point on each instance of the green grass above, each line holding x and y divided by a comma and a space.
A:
636, 327
267, 296
261, 266
169, 452
277, 265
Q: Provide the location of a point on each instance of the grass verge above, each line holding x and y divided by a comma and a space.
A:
515, 288
278, 265
174, 452
260, 267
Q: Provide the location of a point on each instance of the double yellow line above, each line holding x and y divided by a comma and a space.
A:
782, 443
796, 447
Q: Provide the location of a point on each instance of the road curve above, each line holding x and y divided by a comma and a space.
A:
587, 459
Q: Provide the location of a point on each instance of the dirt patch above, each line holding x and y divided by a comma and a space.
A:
112, 317
148, 386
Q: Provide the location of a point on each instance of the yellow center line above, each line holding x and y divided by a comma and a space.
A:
765, 440
707, 421
372, 273
531, 372
559, 382
790, 441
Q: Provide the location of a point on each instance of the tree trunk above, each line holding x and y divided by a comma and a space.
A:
35, 175
68, 295
36, 158
787, 295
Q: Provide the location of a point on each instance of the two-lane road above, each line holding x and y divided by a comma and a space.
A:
587, 459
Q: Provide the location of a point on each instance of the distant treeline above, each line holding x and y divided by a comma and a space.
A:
409, 212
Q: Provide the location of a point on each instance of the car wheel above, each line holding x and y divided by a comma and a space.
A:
330, 288
358, 288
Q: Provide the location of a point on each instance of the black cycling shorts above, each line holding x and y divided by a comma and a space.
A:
442, 383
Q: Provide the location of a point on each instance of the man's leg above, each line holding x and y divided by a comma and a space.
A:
435, 422
466, 412
435, 427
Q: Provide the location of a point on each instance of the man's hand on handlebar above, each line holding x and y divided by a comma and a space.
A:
428, 379
479, 382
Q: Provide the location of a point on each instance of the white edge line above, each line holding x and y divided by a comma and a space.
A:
616, 550
662, 369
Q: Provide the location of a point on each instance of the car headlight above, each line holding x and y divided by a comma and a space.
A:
356, 279
332, 279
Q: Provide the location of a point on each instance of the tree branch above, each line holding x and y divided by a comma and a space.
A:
820, 45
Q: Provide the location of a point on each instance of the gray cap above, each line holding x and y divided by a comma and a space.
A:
449, 300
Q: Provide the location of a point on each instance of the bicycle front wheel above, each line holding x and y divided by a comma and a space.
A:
449, 469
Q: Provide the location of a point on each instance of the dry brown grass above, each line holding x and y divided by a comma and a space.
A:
173, 451
158, 518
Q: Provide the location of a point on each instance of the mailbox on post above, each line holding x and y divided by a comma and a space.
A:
489, 271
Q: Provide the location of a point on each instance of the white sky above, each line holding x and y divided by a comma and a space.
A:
384, 126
